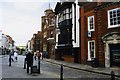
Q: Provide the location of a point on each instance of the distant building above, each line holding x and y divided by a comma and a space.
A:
49, 32
32, 43
11, 43
7, 44
35, 43
44, 32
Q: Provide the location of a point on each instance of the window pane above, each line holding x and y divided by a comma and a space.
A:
90, 46
70, 15
92, 49
111, 16
118, 14
114, 15
91, 20
110, 12
114, 12
118, 11
70, 9
67, 16
118, 18
91, 26
111, 23
118, 22
115, 19
111, 20
115, 23
67, 10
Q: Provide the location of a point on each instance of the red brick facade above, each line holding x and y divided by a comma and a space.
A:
100, 13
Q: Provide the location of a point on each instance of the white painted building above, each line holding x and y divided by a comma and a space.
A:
5, 43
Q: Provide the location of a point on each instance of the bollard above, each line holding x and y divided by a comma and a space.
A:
25, 63
112, 75
39, 66
10, 60
61, 72
31, 68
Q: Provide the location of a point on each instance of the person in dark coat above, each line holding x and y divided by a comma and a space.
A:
29, 59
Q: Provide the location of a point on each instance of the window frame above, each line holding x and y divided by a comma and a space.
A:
89, 56
70, 13
92, 23
112, 26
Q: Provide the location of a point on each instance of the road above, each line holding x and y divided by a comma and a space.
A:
48, 70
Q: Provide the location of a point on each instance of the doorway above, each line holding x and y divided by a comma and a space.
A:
114, 55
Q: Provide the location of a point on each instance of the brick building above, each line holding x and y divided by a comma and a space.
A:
100, 33
49, 32
36, 42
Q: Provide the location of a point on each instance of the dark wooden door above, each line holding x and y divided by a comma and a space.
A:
115, 54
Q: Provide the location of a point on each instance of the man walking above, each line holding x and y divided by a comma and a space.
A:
29, 59
15, 55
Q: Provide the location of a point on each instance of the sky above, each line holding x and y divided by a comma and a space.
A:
22, 18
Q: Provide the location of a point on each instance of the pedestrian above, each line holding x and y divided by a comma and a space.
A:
15, 55
10, 59
29, 59
39, 55
35, 55
11, 54
42, 55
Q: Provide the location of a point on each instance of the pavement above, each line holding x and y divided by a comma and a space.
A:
2, 56
17, 71
99, 70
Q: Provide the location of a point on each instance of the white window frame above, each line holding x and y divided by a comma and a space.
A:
89, 56
89, 24
113, 26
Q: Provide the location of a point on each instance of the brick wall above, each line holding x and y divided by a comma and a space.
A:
101, 28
